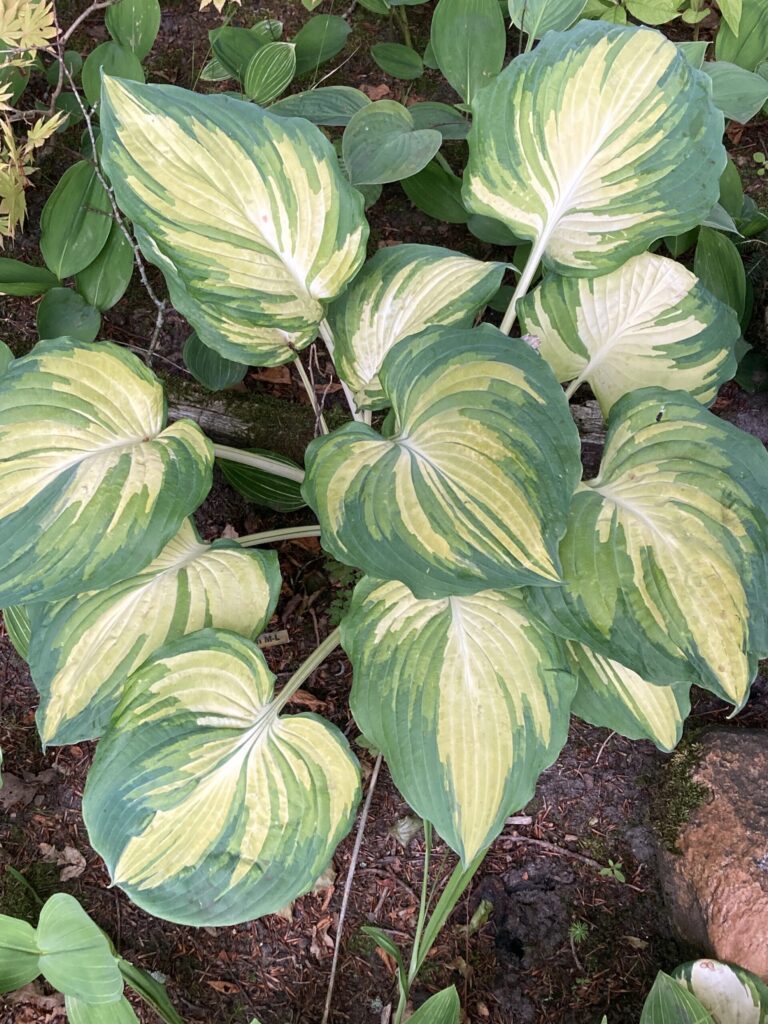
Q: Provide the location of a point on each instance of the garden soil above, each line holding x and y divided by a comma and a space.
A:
564, 921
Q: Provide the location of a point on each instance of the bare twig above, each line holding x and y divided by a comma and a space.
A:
63, 38
160, 304
348, 887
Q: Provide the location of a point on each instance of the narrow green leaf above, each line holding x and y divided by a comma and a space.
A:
104, 282
746, 46
17, 278
109, 59
469, 41
75, 222
213, 371
64, 313
398, 60
381, 143
719, 267
135, 24
150, 990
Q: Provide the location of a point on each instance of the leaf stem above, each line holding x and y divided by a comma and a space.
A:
402, 19
523, 284
253, 540
315, 660
327, 335
423, 902
262, 462
319, 418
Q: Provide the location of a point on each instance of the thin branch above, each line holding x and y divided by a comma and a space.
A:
160, 304
320, 423
348, 888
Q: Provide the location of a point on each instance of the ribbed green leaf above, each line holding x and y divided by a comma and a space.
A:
469, 489
745, 46
246, 214
651, 322
665, 561
75, 955
135, 24
19, 954
212, 370
262, 488
75, 222
614, 697
731, 994
400, 291
592, 192
441, 1008
269, 72
16, 621
468, 699
92, 483
670, 1003
83, 649
208, 807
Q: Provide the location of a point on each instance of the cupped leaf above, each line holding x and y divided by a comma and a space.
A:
19, 955
592, 192
731, 994
75, 955
92, 482
208, 807
269, 72
651, 322
83, 649
381, 143
75, 222
402, 290
667, 1001
16, 622
468, 698
332, 105
246, 214
469, 490
665, 561
614, 697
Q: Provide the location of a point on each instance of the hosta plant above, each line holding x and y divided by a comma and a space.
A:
501, 590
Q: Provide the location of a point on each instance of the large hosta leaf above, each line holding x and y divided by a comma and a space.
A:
613, 696
597, 143
208, 807
83, 649
400, 291
468, 698
469, 489
92, 482
651, 322
247, 214
665, 561
730, 994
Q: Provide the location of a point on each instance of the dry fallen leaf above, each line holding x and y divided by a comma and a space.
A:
376, 92
227, 988
70, 860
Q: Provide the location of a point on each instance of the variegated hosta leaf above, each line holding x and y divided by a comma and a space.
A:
468, 698
83, 649
651, 322
597, 143
208, 807
401, 290
614, 697
246, 214
665, 561
470, 487
92, 482
731, 994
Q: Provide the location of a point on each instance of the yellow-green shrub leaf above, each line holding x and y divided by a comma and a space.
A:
591, 191
402, 290
614, 697
92, 482
75, 955
246, 214
83, 649
732, 995
665, 561
469, 488
468, 699
208, 807
651, 322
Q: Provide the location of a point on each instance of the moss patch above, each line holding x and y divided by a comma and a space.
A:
677, 795
17, 890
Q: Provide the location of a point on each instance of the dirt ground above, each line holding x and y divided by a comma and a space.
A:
557, 942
